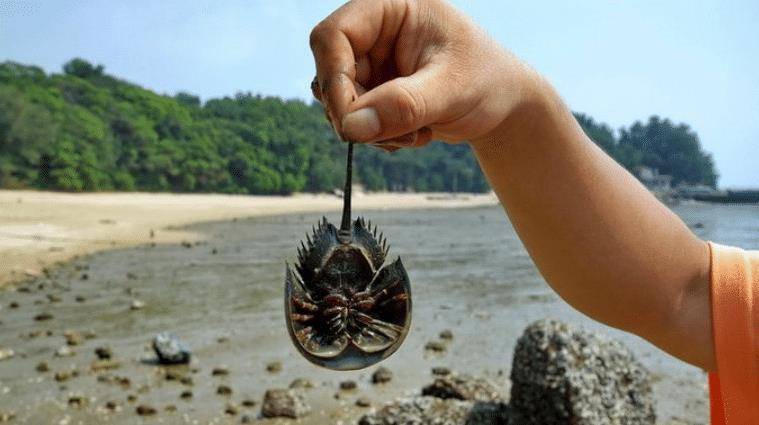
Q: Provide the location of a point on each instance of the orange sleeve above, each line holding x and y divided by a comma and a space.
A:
734, 387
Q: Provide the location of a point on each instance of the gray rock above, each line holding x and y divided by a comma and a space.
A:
463, 387
284, 403
170, 350
382, 375
563, 375
427, 410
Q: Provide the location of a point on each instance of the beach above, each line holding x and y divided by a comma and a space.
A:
213, 274
39, 229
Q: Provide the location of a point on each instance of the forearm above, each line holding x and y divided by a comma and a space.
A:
600, 239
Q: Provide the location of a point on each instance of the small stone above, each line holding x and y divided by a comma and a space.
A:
73, 338
6, 353
223, 390
65, 351
42, 367
348, 385
446, 334
145, 410
274, 367
382, 375
231, 409
245, 419
80, 299
435, 346
170, 350
248, 402
89, 334
137, 305
187, 380
284, 403
170, 408
13, 304
62, 376
301, 383
441, 371
43, 317
53, 298
111, 405
104, 353
214, 251
186, 395
131, 398
220, 371
85, 276
363, 402
99, 365
78, 401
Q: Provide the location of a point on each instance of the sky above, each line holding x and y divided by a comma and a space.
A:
620, 61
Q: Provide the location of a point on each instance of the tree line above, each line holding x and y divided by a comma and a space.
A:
85, 130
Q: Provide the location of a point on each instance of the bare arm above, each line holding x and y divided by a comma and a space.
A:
398, 73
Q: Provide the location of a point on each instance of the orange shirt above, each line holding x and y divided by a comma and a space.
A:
734, 387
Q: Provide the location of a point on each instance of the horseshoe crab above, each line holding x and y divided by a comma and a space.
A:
345, 308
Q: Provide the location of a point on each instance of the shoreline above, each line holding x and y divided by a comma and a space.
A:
39, 229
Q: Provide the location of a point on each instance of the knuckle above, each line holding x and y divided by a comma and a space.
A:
411, 107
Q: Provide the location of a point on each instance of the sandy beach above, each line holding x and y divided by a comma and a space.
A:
38, 229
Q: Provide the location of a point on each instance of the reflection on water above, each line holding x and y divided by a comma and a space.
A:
469, 273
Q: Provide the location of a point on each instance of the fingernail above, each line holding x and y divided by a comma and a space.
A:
361, 125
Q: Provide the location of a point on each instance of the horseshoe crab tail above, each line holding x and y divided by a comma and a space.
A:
345, 224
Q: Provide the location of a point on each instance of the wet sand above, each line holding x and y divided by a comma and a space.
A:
222, 295
38, 229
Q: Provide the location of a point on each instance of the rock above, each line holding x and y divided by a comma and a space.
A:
65, 351
440, 370
73, 338
54, 298
170, 408
170, 350
13, 304
99, 365
435, 411
186, 395
348, 385
42, 367
145, 410
80, 299
78, 401
6, 353
43, 317
363, 402
446, 334
220, 371
301, 383
112, 405
435, 346
561, 374
248, 402
463, 387
231, 409
104, 353
223, 390
62, 376
382, 375
274, 367
284, 403
137, 305
245, 419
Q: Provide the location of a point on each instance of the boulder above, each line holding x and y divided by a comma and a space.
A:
170, 350
561, 374
284, 403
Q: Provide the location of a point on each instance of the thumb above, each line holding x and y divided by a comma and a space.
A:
397, 107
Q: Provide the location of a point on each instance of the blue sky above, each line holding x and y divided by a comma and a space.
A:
620, 61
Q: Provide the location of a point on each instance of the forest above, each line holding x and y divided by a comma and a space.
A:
85, 130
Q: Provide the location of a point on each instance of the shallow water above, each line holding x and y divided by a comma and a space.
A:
469, 273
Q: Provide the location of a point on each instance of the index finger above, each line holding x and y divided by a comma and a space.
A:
349, 32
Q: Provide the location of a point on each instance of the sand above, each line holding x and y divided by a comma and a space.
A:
38, 229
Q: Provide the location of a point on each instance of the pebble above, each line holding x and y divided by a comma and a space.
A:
62, 376
170, 350
112, 405
348, 385
441, 371
223, 390
186, 395
220, 371
446, 334
170, 408
104, 353
363, 402
42, 367
73, 338
80, 299
53, 298
65, 351
99, 365
78, 401
284, 403
13, 304
248, 402
382, 375
245, 419
435, 346
137, 305
301, 383
274, 367
145, 410
6, 353
43, 317
231, 409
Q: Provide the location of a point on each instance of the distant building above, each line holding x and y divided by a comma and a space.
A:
654, 181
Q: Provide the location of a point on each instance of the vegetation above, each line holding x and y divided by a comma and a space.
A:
84, 130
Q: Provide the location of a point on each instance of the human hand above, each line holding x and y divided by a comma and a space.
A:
399, 73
